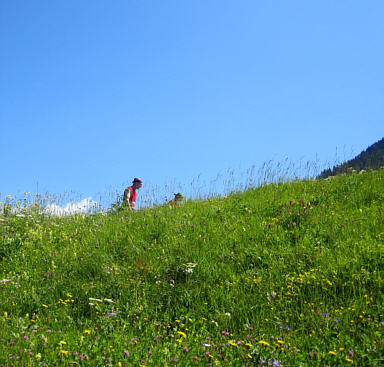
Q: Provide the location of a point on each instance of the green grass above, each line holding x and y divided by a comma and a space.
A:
286, 274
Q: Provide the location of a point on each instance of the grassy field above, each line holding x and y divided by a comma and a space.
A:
286, 275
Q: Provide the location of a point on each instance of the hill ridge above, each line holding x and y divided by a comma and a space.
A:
370, 158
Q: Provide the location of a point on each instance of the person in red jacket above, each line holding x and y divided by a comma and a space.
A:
130, 194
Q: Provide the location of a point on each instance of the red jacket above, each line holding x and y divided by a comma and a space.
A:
132, 197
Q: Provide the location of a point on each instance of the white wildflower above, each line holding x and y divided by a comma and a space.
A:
188, 267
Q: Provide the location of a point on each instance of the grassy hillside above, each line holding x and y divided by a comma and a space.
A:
288, 275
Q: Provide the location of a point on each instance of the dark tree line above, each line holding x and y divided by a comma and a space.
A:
371, 158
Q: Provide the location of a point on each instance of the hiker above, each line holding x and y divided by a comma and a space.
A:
176, 200
130, 193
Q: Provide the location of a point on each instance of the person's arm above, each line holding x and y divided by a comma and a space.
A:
127, 195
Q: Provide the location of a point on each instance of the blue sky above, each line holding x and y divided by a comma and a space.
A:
94, 93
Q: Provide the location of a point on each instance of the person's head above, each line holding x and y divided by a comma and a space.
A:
137, 183
179, 196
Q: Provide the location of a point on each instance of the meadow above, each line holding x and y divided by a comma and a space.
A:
285, 274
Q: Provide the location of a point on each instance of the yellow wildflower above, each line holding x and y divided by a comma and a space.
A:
262, 342
182, 334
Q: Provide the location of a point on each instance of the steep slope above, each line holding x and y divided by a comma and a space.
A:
288, 274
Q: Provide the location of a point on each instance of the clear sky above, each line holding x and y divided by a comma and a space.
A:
94, 93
